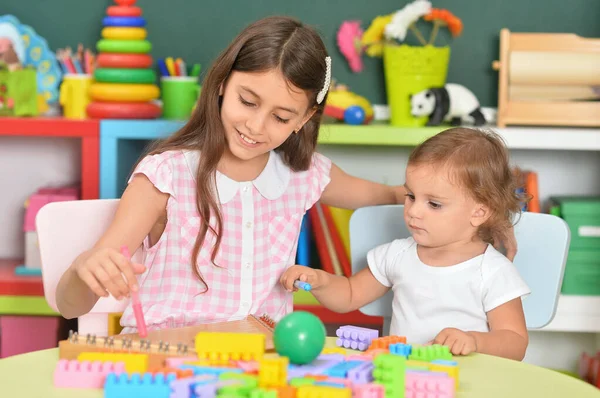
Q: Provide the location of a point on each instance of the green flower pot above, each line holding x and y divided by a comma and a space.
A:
408, 70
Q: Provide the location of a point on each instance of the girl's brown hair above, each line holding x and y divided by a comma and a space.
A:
478, 162
271, 43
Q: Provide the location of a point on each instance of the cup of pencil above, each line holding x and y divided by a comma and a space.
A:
74, 96
179, 88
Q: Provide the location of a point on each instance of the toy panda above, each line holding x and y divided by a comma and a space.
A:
451, 103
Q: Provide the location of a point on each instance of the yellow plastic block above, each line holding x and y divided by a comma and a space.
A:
273, 372
114, 324
308, 391
452, 371
134, 363
223, 347
334, 350
414, 364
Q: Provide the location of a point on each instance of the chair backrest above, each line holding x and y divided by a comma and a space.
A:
65, 230
543, 243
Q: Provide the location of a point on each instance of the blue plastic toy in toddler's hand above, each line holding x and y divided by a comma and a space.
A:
302, 285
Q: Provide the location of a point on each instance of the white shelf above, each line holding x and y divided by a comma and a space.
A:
576, 314
551, 138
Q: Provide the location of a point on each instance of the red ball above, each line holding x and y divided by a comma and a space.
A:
125, 2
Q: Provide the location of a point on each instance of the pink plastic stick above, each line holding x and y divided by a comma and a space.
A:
136, 304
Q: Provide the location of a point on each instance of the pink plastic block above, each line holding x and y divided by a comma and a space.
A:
355, 337
84, 374
41, 198
248, 366
428, 384
22, 334
175, 362
359, 357
371, 390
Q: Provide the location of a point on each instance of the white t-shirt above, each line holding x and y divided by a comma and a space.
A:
428, 299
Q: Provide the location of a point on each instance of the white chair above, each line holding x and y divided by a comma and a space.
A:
543, 243
65, 230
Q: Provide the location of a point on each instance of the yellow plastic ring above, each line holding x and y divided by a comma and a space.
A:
124, 33
124, 92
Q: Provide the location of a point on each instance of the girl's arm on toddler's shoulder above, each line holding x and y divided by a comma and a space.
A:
349, 192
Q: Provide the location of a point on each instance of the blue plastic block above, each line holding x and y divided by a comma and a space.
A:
329, 384
207, 370
146, 385
341, 369
444, 362
401, 349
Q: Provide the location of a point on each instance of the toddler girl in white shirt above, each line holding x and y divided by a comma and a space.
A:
451, 286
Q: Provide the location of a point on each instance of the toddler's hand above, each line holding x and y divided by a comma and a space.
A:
459, 342
107, 270
303, 273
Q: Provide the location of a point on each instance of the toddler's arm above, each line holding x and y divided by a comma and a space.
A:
98, 271
337, 293
508, 335
349, 192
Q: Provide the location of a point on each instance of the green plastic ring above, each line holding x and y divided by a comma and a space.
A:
124, 46
124, 75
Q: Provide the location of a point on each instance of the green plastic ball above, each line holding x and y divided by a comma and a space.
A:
300, 336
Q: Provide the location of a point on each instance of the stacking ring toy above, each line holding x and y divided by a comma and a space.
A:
124, 46
124, 33
125, 75
120, 11
123, 110
123, 92
113, 60
124, 21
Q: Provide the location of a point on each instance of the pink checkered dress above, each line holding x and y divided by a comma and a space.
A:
261, 224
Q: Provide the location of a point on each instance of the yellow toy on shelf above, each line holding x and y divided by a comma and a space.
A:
344, 105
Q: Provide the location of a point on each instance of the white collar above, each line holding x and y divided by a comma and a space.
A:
271, 182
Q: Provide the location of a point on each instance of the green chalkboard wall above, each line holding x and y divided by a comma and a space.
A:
198, 29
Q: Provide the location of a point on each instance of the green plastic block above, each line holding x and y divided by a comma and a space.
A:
430, 353
390, 371
301, 381
246, 384
262, 393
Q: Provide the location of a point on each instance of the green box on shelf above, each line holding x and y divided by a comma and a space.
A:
582, 273
582, 214
18, 92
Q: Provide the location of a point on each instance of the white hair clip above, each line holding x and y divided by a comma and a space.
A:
323, 91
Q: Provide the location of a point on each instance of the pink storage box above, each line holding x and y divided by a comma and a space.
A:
41, 198
22, 334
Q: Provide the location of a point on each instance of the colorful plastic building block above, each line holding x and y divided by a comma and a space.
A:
84, 374
428, 384
323, 392
342, 368
356, 338
317, 366
430, 352
273, 372
146, 385
237, 384
448, 367
384, 342
333, 350
182, 388
361, 374
220, 348
134, 363
390, 371
401, 349
369, 391
209, 370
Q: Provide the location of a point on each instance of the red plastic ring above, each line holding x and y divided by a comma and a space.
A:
121, 11
115, 60
123, 110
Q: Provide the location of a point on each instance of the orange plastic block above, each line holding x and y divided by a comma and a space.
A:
286, 392
220, 348
134, 363
179, 373
316, 377
384, 342
308, 391
273, 372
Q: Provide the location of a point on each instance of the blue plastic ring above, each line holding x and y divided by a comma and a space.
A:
124, 21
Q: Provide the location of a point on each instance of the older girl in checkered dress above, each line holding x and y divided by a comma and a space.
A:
218, 206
